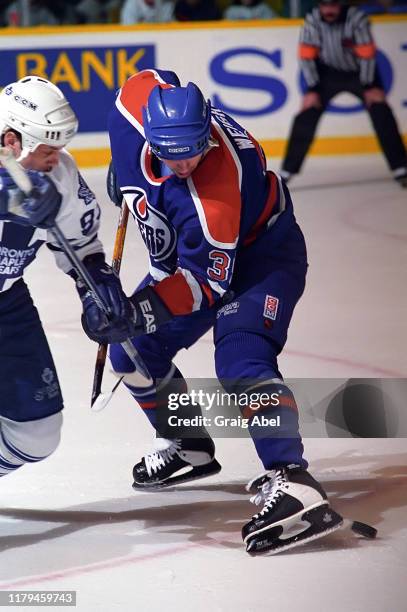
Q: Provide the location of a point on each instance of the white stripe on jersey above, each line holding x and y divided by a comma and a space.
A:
216, 287
281, 204
194, 286
157, 274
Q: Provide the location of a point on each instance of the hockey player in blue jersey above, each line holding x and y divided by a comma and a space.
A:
36, 122
225, 253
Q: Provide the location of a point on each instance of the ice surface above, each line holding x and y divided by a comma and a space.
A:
73, 521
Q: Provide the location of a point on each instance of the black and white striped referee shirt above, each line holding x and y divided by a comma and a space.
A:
346, 45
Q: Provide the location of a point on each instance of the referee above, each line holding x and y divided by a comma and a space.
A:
337, 54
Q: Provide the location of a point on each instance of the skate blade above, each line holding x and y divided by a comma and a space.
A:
200, 471
277, 541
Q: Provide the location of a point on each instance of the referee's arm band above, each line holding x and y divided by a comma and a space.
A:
365, 51
308, 52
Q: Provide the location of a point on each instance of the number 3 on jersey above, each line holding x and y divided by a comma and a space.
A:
220, 267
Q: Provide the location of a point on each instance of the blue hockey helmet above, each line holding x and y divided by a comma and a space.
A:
177, 122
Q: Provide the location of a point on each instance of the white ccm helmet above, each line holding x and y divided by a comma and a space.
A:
39, 111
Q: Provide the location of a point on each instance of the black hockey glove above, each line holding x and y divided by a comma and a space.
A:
150, 311
39, 208
120, 324
112, 187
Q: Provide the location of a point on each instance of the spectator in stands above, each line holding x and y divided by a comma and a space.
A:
55, 12
87, 11
249, 9
40, 14
146, 11
197, 10
4, 4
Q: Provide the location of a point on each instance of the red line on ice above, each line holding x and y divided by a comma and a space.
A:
348, 362
94, 567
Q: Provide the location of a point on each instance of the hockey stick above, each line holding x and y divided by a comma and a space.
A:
23, 181
99, 400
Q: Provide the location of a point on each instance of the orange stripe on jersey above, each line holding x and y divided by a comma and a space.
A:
365, 51
287, 401
216, 181
147, 405
207, 291
176, 294
308, 52
134, 93
152, 404
284, 401
269, 206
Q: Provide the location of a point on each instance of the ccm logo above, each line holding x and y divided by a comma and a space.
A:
149, 318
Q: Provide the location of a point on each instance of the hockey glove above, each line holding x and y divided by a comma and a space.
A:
149, 311
39, 208
119, 325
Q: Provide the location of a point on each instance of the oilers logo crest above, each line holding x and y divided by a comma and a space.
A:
158, 235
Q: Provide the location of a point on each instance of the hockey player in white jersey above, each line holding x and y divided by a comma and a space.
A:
36, 123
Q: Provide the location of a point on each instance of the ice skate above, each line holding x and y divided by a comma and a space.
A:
295, 511
175, 462
400, 177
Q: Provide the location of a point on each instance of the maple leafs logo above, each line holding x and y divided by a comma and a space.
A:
84, 193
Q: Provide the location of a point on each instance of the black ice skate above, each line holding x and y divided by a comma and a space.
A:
295, 511
400, 175
180, 461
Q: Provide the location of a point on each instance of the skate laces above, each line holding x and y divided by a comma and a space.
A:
161, 457
270, 490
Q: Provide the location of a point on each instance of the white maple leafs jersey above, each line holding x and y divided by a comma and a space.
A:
78, 218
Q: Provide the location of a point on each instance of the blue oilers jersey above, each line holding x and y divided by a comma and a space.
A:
78, 218
194, 228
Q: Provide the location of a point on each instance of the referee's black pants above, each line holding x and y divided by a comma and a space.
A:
333, 82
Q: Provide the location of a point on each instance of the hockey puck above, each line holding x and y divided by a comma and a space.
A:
367, 531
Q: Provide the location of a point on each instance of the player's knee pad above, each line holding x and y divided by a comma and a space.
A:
244, 358
30, 441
